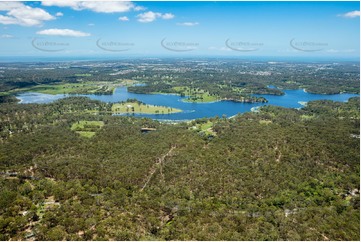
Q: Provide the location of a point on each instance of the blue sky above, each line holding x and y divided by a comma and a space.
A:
120, 29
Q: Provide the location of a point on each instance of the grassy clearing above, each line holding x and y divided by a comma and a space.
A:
102, 87
128, 82
205, 128
196, 95
266, 122
76, 88
239, 90
307, 117
86, 134
138, 107
84, 74
87, 128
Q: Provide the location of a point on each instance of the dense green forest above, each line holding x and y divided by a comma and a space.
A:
276, 174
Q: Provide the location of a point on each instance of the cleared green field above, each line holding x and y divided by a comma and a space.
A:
87, 128
101, 87
85, 74
86, 134
135, 107
57, 89
205, 128
78, 88
196, 95
266, 122
307, 117
128, 82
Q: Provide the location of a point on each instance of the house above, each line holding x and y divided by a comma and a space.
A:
146, 130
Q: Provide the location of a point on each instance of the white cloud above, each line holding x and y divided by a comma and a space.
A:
65, 3
63, 32
340, 51
350, 50
188, 24
8, 20
91, 24
150, 16
100, 7
108, 7
332, 51
139, 8
7, 6
59, 14
352, 14
6, 36
219, 48
124, 18
21, 14
168, 16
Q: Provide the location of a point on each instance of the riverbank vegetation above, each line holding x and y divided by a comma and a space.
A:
270, 175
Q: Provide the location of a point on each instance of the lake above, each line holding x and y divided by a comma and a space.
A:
291, 99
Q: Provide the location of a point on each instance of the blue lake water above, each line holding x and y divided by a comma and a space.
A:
291, 99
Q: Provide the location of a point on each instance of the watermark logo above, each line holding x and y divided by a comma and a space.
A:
114, 46
179, 46
243, 46
49, 45
307, 46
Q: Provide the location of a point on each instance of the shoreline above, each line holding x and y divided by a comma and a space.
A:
303, 103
